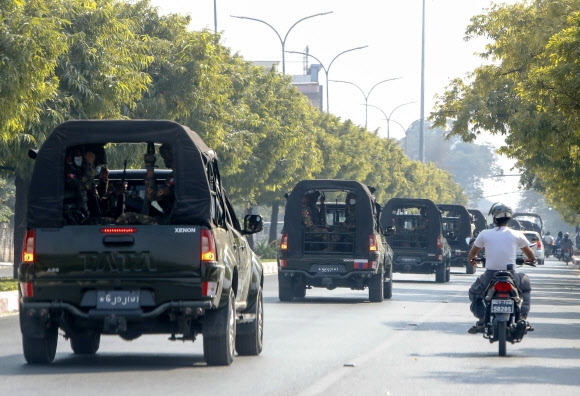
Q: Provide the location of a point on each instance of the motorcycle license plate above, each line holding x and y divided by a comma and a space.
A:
502, 306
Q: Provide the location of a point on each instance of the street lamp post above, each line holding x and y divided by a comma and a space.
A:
327, 69
388, 118
366, 96
282, 41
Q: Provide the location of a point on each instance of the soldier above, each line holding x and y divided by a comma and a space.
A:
312, 217
161, 198
350, 211
74, 205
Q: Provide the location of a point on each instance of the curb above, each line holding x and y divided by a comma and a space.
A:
8, 302
9, 299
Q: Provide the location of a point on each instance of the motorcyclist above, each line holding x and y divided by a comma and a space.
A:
548, 243
501, 244
558, 246
567, 244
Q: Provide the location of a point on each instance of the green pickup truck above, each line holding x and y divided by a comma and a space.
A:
145, 268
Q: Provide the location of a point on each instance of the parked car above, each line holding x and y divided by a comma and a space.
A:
536, 244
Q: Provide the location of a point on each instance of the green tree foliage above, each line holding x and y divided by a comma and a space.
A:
469, 163
529, 92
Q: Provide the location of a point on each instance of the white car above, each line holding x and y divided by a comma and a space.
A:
536, 244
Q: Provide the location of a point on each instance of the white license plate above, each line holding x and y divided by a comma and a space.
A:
502, 306
328, 269
118, 299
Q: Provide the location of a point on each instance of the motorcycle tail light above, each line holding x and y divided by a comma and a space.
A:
503, 287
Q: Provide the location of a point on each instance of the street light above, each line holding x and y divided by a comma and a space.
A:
367, 94
282, 41
389, 117
327, 69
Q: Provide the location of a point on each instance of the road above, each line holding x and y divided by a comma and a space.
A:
337, 343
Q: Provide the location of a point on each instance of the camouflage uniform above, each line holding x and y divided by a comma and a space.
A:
74, 205
314, 220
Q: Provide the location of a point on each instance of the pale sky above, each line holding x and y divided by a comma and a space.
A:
391, 30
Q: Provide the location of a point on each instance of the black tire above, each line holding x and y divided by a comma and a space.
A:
448, 274
219, 334
502, 336
41, 350
388, 289
470, 269
440, 273
285, 292
299, 290
85, 344
250, 336
376, 287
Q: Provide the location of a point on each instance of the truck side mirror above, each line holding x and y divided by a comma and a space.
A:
252, 224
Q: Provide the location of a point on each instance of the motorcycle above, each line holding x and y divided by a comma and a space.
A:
503, 301
558, 253
567, 255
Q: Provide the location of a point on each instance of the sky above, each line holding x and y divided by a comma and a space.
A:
391, 29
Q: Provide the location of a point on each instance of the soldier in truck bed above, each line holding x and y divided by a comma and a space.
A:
161, 198
313, 218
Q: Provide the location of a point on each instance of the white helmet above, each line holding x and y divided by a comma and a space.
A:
500, 211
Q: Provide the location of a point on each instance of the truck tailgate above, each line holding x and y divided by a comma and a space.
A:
102, 252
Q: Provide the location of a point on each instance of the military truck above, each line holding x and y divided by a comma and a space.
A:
457, 229
419, 244
341, 247
185, 273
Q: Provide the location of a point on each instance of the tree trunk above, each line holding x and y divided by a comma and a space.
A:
274, 222
20, 214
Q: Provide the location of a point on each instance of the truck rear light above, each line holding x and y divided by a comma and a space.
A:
372, 243
284, 242
118, 230
26, 289
209, 289
439, 242
282, 263
28, 248
207, 243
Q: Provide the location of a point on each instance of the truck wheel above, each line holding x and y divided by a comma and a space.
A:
85, 344
376, 287
470, 269
388, 289
41, 350
299, 290
448, 274
440, 273
249, 336
285, 292
219, 334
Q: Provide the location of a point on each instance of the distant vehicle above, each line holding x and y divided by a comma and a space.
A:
419, 243
530, 222
456, 228
479, 220
334, 252
536, 245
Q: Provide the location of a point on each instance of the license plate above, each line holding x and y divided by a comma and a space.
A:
118, 299
409, 259
328, 269
502, 306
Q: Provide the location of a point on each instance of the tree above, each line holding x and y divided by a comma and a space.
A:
527, 92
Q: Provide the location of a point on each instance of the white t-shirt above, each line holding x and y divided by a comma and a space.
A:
501, 244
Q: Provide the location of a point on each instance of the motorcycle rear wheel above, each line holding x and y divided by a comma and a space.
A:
501, 336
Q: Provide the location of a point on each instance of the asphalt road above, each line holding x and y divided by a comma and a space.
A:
337, 343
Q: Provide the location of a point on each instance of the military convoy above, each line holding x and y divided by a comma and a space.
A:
186, 273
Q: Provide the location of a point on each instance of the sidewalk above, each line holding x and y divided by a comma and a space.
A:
9, 300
